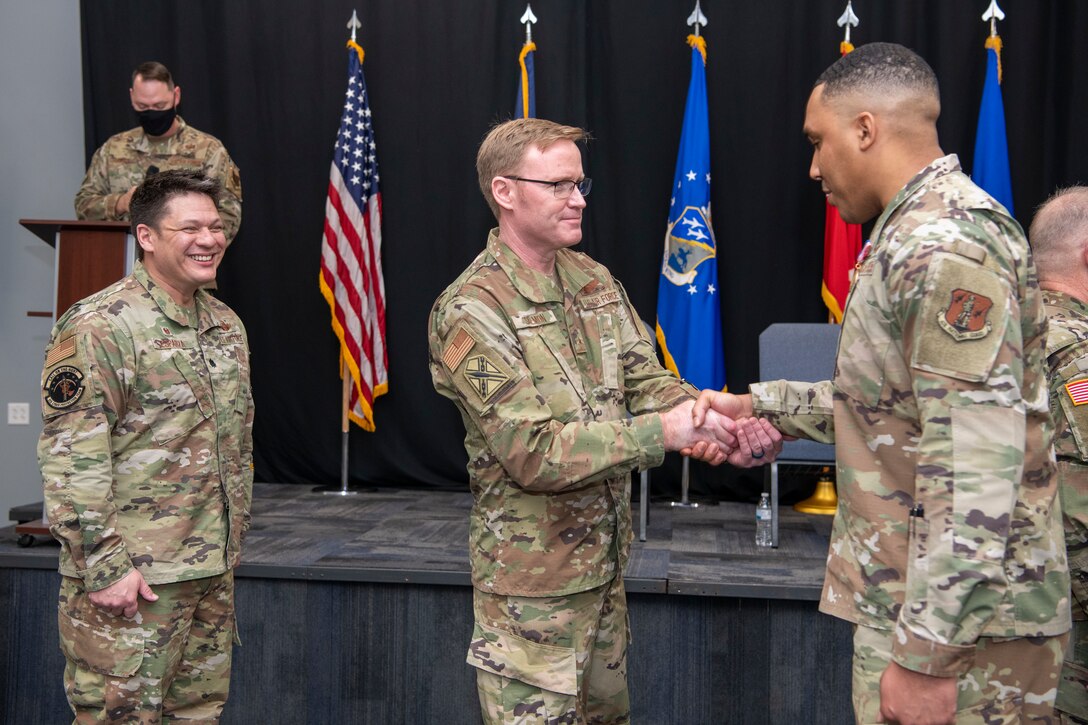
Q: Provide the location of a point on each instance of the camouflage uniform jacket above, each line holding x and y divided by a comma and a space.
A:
124, 159
146, 451
939, 404
544, 376
1067, 359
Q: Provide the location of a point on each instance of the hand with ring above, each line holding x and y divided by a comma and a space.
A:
758, 442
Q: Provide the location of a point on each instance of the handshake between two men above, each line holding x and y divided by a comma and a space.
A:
718, 427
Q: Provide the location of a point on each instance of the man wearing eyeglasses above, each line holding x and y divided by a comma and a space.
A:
562, 397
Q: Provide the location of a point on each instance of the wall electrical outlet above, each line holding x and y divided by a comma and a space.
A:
18, 413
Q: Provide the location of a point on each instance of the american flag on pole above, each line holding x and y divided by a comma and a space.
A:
351, 254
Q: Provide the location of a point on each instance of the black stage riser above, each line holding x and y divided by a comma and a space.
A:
346, 652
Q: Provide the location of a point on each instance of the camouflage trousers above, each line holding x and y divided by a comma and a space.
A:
169, 663
1012, 680
1072, 704
552, 660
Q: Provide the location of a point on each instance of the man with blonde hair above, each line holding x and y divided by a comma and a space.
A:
562, 397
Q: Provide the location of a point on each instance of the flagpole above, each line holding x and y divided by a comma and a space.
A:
352, 190
685, 478
345, 427
696, 19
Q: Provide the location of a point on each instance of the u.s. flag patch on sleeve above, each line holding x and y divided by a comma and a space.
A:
1078, 391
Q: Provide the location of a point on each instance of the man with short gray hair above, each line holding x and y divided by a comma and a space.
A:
1059, 240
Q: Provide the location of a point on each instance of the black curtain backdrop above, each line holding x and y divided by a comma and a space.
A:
268, 79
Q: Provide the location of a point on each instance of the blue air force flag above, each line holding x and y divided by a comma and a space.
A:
689, 326
991, 169
525, 106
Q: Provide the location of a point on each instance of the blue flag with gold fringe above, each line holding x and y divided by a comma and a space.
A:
525, 106
991, 169
689, 328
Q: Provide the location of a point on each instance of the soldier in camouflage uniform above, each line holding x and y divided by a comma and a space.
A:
947, 549
562, 397
146, 458
162, 141
1059, 240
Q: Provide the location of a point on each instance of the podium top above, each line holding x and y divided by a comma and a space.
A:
46, 229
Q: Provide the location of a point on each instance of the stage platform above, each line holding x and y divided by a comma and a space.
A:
357, 609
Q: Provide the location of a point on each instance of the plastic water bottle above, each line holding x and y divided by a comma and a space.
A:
763, 521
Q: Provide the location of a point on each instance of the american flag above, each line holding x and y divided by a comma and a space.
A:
351, 253
1078, 391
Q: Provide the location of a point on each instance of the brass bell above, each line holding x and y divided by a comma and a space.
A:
823, 500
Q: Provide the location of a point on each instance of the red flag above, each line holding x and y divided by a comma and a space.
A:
351, 254
842, 246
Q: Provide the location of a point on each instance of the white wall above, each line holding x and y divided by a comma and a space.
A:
41, 165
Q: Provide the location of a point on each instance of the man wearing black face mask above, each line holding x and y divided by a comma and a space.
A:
162, 142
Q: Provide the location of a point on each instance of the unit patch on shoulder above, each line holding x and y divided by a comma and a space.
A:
1078, 391
63, 387
460, 346
965, 316
485, 377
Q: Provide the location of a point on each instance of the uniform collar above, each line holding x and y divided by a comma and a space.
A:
531, 284
1065, 301
940, 167
201, 316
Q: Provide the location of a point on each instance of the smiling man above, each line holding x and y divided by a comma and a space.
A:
146, 459
162, 141
947, 549
562, 397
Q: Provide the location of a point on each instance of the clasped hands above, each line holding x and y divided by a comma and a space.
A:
719, 427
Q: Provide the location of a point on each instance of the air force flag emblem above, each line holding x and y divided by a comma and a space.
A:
690, 243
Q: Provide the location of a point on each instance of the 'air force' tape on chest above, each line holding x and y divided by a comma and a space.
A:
600, 299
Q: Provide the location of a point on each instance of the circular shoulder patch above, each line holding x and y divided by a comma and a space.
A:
63, 387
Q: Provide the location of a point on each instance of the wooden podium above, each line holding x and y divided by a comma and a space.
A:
89, 256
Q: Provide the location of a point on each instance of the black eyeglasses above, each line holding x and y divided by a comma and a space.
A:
561, 189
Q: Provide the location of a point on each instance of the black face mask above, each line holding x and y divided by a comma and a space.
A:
156, 123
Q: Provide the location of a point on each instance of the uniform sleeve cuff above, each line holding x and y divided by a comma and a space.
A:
929, 657
111, 207
650, 436
108, 571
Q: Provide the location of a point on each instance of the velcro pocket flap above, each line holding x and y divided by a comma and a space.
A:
178, 404
546, 666
105, 650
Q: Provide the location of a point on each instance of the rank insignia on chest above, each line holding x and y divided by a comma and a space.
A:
1078, 391
965, 316
485, 377
63, 387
